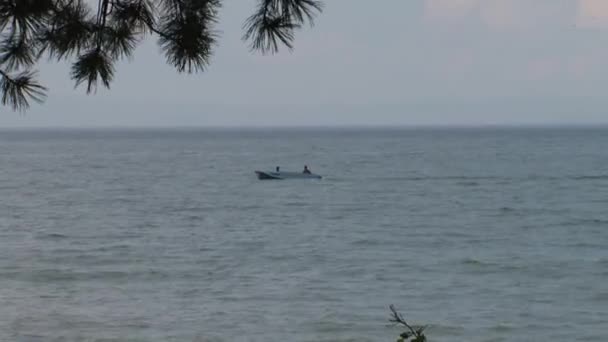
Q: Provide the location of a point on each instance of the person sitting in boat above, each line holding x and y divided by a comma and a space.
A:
306, 170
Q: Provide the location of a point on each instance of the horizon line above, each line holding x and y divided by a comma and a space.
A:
306, 127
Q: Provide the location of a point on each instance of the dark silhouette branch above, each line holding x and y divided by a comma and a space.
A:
65, 29
17, 90
416, 335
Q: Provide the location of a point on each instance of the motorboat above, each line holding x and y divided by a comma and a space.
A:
264, 175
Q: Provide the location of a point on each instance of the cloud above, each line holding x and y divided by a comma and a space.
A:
447, 9
511, 14
592, 14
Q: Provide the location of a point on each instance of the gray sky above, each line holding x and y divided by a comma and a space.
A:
398, 62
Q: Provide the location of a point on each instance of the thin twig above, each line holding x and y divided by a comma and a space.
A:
398, 319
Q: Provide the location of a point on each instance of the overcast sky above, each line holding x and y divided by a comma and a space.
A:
396, 62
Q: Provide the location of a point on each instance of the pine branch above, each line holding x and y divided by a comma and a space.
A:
93, 66
70, 30
17, 90
187, 37
275, 22
97, 37
17, 52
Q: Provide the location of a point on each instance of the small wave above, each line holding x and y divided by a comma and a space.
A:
111, 248
597, 221
479, 266
602, 261
584, 244
468, 183
98, 166
471, 178
589, 177
503, 328
195, 218
66, 276
501, 179
243, 207
330, 325
368, 242
48, 275
469, 261
457, 234
600, 297
585, 222
53, 236
465, 179
186, 209
446, 330
296, 204
541, 177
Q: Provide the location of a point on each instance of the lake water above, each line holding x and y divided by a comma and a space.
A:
484, 234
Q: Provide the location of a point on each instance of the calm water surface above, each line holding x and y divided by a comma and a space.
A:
485, 234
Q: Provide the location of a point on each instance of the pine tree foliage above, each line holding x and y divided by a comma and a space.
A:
93, 35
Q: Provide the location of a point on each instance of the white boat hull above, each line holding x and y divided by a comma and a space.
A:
285, 175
